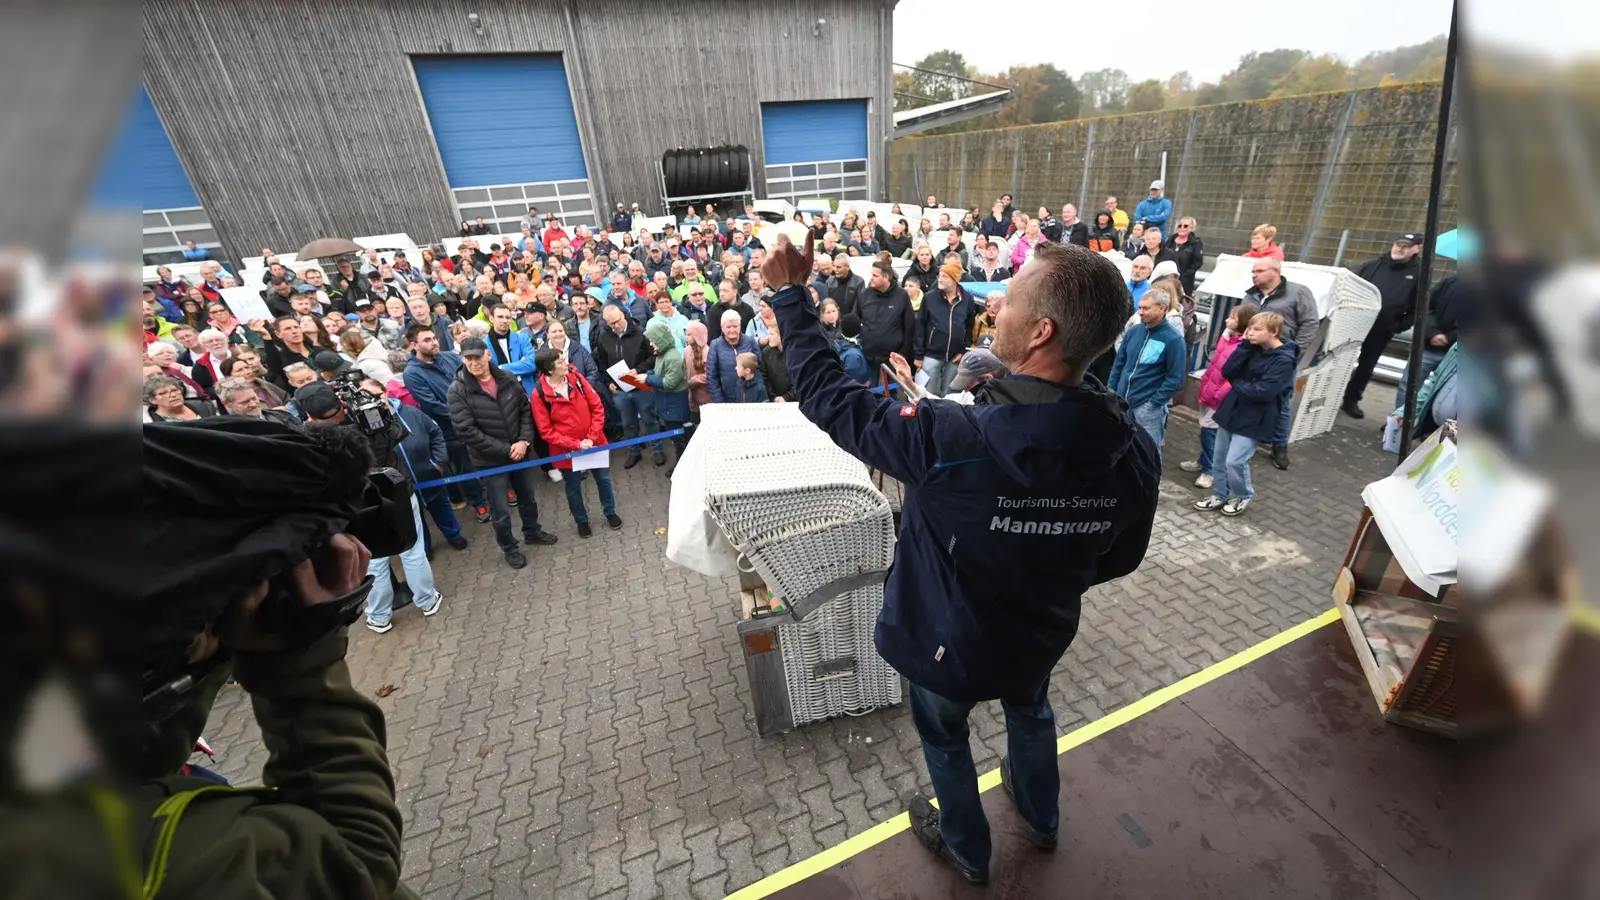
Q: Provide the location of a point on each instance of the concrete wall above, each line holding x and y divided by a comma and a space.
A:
297, 120
1315, 166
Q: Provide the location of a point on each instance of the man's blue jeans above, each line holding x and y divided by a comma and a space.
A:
1431, 357
940, 374
637, 410
461, 464
1152, 417
1280, 435
1031, 744
419, 577
437, 500
1208, 443
573, 485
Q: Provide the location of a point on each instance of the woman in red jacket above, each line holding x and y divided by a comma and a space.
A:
570, 417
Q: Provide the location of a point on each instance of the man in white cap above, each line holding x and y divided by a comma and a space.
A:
1155, 209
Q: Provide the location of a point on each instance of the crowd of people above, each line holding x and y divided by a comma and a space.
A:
559, 340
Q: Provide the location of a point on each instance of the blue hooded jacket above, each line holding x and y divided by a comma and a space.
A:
430, 387
1013, 508
1149, 364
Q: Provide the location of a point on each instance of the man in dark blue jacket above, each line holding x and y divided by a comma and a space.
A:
1013, 508
428, 374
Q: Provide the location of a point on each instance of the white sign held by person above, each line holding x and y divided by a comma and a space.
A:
246, 304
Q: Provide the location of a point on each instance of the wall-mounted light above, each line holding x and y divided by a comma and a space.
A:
816, 28
477, 22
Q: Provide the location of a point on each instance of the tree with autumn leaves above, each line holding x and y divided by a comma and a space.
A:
1044, 93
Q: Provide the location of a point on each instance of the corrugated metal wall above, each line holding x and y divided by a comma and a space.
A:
302, 119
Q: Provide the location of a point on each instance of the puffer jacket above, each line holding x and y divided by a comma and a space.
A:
1213, 387
488, 426
722, 369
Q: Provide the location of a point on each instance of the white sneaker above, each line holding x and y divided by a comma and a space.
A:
438, 601
1236, 507
1208, 504
1190, 465
1204, 481
555, 475
385, 628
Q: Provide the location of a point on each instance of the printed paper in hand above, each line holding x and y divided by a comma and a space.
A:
591, 461
246, 304
617, 371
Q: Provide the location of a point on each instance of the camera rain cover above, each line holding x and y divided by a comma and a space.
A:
229, 502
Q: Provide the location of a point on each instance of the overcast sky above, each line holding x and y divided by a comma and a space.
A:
1149, 41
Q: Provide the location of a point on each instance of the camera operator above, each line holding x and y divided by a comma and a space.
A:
321, 402
278, 523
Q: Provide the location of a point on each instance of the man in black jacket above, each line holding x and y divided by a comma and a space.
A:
491, 415
888, 323
1394, 274
1438, 330
844, 286
621, 340
1073, 229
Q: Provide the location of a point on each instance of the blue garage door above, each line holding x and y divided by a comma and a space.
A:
815, 147
141, 171
508, 135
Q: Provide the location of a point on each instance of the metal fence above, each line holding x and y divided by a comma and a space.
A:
1340, 175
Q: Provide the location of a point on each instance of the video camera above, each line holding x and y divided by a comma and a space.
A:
378, 513
372, 415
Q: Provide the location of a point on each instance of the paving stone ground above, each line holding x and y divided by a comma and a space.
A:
579, 728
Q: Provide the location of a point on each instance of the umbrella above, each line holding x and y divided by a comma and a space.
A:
322, 247
1457, 244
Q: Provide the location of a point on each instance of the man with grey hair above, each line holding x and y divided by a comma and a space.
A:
844, 286
239, 398
1013, 508
1271, 292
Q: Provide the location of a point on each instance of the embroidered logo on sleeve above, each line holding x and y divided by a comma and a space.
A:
908, 410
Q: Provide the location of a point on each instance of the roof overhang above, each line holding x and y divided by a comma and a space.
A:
911, 121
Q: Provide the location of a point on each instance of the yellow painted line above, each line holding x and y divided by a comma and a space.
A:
881, 832
1587, 617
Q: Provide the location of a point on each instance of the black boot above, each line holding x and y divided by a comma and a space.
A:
1352, 409
1280, 456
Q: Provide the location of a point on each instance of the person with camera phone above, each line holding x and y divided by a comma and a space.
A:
343, 403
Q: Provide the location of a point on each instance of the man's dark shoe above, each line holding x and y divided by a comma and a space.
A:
458, 542
925, 825
658, 457
1280, 456
632, 461
584, 530
1352, 409
614, 520
1045, 842
541, 537
515, 559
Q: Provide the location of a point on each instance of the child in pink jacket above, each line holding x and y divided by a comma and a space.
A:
1213, 387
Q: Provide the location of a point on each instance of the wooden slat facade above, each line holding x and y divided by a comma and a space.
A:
303, 119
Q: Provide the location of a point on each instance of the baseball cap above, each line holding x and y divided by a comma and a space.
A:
328, 361
305, 289
974, 365
1409, 237
473, 346
318, 400
1163, 269
363, 300
1157, 185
